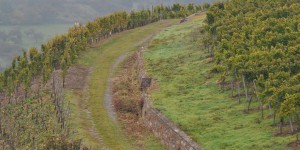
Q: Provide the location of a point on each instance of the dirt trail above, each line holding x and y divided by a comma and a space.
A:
108, 104
106, 137
77, 81
92, 128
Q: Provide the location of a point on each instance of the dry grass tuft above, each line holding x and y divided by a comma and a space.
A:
127, 102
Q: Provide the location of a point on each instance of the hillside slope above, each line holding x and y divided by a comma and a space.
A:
48, 69
88, 105
189, 95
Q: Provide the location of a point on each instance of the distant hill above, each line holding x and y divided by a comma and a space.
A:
32, 12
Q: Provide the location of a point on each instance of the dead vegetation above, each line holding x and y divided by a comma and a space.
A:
126, 92
128, 104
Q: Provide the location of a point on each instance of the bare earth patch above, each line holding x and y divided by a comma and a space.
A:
77, 77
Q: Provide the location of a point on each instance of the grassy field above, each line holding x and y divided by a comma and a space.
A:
194, 101
100, 59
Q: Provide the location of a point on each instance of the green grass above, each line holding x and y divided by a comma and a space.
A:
197, 104
80, 121
152, 143
100, 59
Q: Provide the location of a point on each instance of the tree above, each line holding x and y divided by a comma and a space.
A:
191, 8
257, 43
1, 83
206, 6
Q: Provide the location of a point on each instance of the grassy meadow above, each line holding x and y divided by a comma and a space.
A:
189, 95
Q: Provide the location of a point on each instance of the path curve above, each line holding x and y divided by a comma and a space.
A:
108, 104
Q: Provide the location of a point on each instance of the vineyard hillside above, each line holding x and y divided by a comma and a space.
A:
230, 79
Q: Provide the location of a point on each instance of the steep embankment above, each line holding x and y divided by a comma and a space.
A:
90, 115
189, 95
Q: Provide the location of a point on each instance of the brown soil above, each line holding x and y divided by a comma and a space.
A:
77, 77
294, 145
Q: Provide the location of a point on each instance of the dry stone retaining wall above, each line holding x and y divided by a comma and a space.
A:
170, 135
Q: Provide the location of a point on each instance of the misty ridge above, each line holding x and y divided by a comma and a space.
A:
33, 12
29, 23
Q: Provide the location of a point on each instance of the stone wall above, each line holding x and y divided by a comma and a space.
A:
163, 128
170, 135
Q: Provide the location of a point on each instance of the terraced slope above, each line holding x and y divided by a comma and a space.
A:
90, 116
